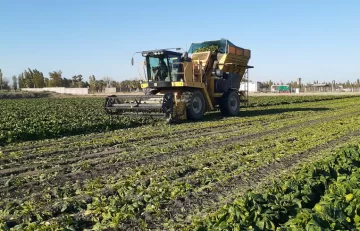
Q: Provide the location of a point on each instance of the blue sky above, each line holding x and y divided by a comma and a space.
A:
288, 39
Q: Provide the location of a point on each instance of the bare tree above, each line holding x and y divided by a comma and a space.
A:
92, 83
107, 81
5, 84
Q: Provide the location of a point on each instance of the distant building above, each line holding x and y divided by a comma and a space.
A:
109, 90
319, 88
252, 87
280, 88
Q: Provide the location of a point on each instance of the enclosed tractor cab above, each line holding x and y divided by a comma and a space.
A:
182, 86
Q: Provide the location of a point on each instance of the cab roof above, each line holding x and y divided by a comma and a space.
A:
163, 51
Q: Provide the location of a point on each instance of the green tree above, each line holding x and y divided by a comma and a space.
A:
267, 84
85, 84
127, 83
74, 80
15, 83
47, 82
28, 78
79, 79
114, 84
21, 80
33, 78
123, 84
55, 78
66, 82
100, 85
92, 83
135, 84
38, 78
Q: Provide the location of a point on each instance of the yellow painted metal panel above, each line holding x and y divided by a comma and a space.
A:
177, 84
233, 59
188, 71
198, 84
207, 99
144, 85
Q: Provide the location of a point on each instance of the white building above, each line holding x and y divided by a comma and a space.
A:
253, 86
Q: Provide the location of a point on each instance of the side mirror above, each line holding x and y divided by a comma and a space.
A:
132, 61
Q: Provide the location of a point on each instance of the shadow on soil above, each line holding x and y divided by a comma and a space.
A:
261, 112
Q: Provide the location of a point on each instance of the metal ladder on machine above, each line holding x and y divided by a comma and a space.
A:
244, 94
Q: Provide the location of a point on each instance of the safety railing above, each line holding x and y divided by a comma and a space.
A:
196, 71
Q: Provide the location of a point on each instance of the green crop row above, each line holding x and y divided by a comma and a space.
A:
320, 196
259, 101
36, 119
339, 207
146, 188
136, 187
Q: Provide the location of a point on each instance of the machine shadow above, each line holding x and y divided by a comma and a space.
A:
213, 116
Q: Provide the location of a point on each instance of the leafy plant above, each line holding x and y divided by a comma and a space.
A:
212, 48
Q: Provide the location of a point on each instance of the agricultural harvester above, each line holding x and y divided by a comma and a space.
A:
185, 85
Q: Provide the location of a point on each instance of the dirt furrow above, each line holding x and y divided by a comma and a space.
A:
70, 147
105, 155
121, 166
124, 147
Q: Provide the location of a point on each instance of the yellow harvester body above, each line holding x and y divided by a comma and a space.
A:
179, 87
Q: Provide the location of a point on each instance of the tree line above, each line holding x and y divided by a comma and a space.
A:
33, 78
295, 84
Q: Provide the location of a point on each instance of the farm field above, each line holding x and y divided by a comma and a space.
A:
293, 153
35, 119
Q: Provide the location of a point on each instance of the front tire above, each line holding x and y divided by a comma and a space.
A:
230, 104
195, 105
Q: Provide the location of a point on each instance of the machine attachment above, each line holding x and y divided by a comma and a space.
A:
154, 106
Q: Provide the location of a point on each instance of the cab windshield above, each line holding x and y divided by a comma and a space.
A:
158, 68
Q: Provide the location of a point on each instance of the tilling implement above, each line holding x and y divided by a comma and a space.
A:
180, 87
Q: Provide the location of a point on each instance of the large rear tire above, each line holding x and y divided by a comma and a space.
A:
195, 104
230, 104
